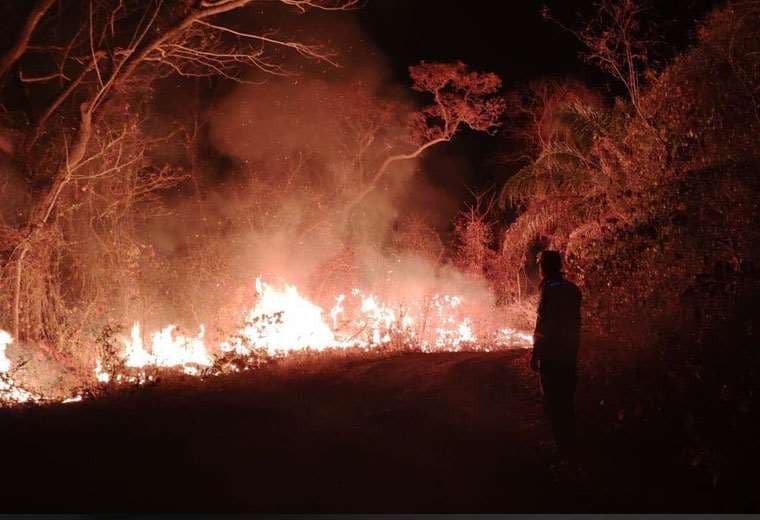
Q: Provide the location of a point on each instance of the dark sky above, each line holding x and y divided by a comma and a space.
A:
513, 41
507, 37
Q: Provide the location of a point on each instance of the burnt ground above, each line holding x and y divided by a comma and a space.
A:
460, 432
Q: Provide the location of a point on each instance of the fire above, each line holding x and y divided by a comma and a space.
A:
5, 340
168, 349
283, 320
101, 375
9, 390
509, 336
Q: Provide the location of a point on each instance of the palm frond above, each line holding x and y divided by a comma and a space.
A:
521, 187
555, 218
559, 171
534, 222
581, 123
565, 165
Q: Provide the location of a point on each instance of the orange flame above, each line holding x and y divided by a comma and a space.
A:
282, 320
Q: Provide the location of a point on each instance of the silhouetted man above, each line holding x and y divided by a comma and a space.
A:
555, 347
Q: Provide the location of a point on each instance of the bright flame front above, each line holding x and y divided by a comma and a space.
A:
283, 320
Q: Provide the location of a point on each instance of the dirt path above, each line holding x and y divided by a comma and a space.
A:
429, 433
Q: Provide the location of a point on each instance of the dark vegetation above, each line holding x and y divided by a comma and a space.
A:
654, 201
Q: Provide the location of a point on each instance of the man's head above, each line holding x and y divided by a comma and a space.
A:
550, 263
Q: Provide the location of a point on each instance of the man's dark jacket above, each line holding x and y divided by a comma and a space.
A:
558, 324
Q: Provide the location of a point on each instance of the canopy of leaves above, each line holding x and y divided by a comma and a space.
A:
461, 97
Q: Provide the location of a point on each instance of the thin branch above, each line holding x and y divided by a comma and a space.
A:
380, 173
22, 42
210, 9
117, 69
41, 79
107, 171
304, 50
59, 100
92, 49
339, 5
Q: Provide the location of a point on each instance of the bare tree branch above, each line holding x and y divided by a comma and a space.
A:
176, 47
59, 100
461, 98
22, 42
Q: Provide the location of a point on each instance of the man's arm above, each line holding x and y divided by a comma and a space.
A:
538, 332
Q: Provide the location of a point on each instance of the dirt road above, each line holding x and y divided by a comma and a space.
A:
410, 433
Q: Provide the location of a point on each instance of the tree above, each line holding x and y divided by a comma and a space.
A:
107, 55
460, 98
554, 125
617, 40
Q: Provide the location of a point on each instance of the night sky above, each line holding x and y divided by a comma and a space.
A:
509, 38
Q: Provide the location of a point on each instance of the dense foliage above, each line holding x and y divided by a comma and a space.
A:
654, 201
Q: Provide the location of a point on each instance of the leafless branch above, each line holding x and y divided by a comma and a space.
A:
41, 79
22, 42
